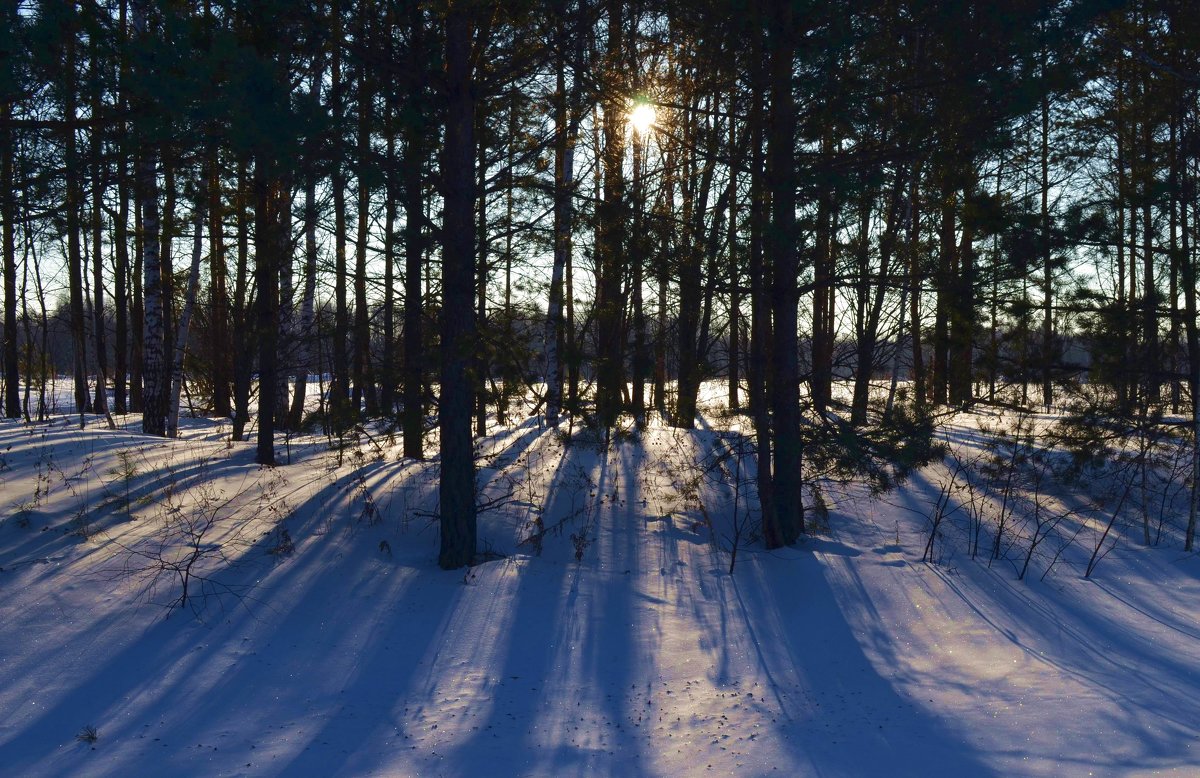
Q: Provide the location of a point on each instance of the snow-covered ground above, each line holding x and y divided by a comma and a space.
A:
620, 644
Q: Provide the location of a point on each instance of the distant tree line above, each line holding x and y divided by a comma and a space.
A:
853, 213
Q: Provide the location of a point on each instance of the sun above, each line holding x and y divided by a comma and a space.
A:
641, 118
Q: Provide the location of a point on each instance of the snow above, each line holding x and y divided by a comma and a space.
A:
355, 655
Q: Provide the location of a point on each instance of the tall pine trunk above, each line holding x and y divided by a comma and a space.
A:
8, 253
821, 380
387, 372
154, 362
787, 519
243, 320
307, 329
411, 167
1047, 263
99, 173
364, 381
760, 313
218, 292
564, 172
271, 239
961, 343
74, 206
184, 323
339, 389
735, 291
121, 292
610, 305
456, 487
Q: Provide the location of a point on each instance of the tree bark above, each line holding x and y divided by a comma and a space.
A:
74, 205
244, 321
821, 380
99, 173
869, 336
481, 367
154, 367
8, 247
339, 388
411, 161
781, 247
270, 241
387, 371
218, 292
184, 323
610, 306
121, 292
960, 369
364, 380
945, 280
564, 172
638, 256
1047, 263
137, 305
307, 330
456, 488
760, 314
735, 278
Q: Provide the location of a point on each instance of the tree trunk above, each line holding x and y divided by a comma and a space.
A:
307, 331
387, 372
167, 221
364, 381
154, 367
610, 307
270, 249
153, 342
1047, 263
121, 291
760, 314
869, 336
220, 347
1150, 346
787, 521
945, 280
339, 389
1187, 265
121, 269
1173, 246
74, 205
137, 307
413, 419
243, 365
413, 368
184, 323
456, 488
481, 366
8, 247
960, 369
571, 343
662, 271
1122, 336
821, 380
691, 292
735, 280
99, 173
564, 172
915, 281
637, 256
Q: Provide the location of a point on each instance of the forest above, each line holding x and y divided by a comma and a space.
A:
599, 387
976, 202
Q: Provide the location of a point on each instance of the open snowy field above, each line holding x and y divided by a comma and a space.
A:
606, 636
